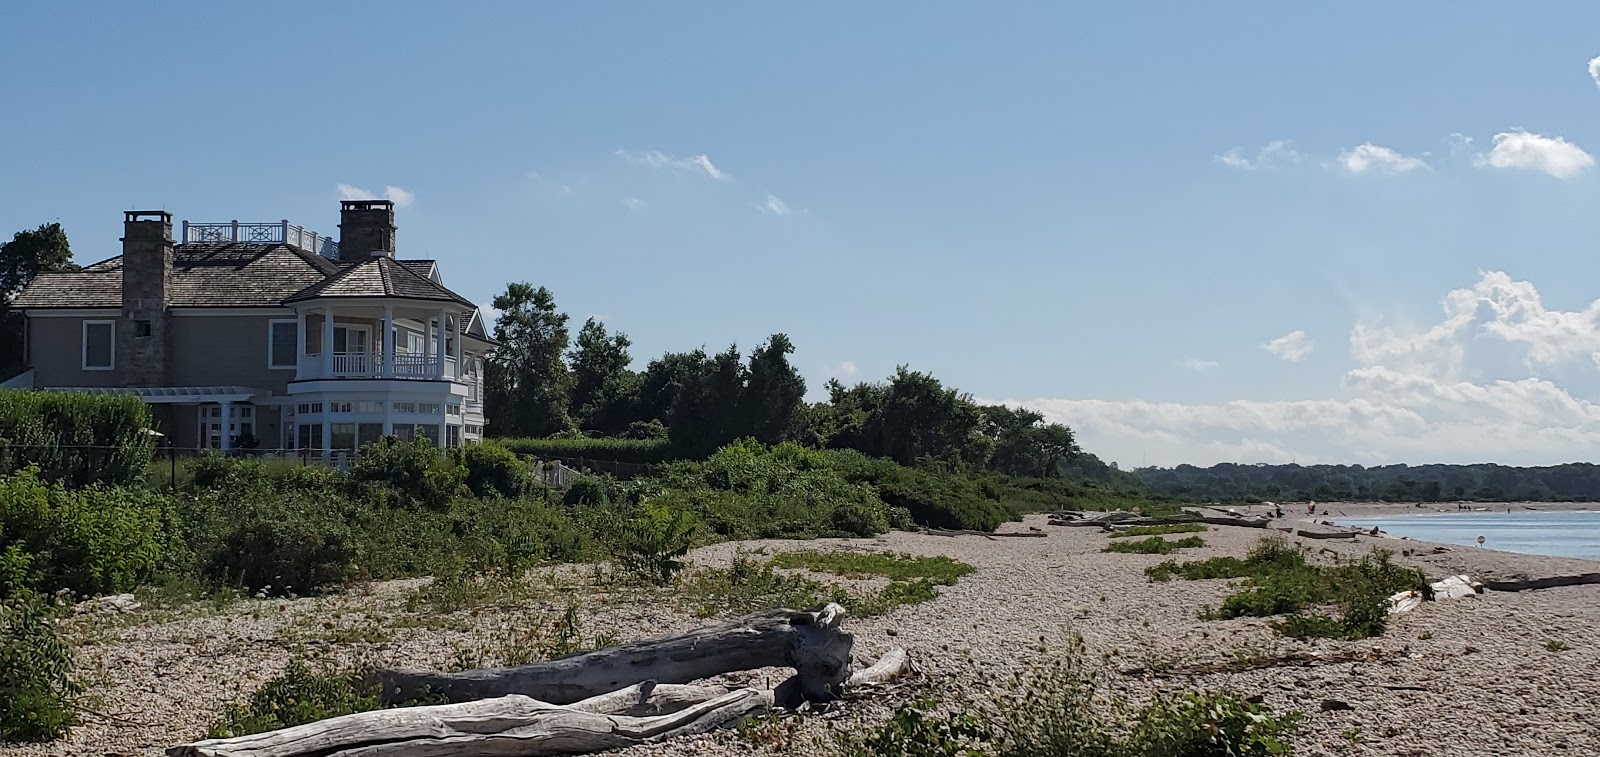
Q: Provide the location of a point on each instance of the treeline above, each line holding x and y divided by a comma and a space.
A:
543, 383
1484, 482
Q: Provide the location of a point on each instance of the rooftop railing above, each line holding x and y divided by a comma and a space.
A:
276, 232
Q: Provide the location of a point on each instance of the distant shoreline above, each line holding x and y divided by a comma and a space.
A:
1297, 510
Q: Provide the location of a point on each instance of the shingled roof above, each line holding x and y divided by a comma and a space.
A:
235, 274
380, 276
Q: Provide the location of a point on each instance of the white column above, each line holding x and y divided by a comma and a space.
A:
299, 343
438, 348
327, 342
388, 341
458, 354
327, 435
227, 425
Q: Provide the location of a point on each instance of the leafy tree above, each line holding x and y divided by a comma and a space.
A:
774, 393
28, 254
528, 385
705, 413
604, 391
911, 419
1024, 444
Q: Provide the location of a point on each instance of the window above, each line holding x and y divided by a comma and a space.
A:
367, 433
452, 436
369, 406
310, 436
453, 408
474, 429
405, 407
340, 407
308, 408
343, 434
99, 345
428, 408
282, 342
142, 329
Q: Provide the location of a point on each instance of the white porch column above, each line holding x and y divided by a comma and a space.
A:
388, 342
327, 343
227, 425
327, 435
300, 343
438, 348
459, 369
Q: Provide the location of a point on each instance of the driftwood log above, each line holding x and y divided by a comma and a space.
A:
811, 642
1529, 584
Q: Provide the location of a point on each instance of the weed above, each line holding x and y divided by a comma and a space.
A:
895, 567
37, 688
1159, 530
297, 696
1556, 645
1154, 545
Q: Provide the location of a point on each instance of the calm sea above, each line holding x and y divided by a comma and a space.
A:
1572, 534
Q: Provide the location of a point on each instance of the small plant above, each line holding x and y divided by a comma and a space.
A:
1425, 636
37, 690
651, 545
1159, 530
297, 696
916, 730
895, 567
1154, 545
1556, 645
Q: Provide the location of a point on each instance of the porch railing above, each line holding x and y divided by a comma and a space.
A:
370, 365
272, 232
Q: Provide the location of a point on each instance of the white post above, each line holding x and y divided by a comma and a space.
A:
438, 348
327, 342
227, 425
458, 355
388, 342
300, 343
327, 435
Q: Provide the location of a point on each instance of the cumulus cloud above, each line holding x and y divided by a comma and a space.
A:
700, 164
1199, 366
775, 206
400, 197
1273, 153
1500, 376
1535, 152
1594, 70
1370, 157
1293, 346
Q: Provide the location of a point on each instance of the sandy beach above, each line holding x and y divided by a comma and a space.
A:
1475, 676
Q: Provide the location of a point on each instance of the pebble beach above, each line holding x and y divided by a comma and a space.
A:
1498, 673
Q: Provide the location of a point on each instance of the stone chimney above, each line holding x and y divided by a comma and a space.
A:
144, 329
366, 229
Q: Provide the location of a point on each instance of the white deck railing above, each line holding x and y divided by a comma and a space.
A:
273, 232
370, 365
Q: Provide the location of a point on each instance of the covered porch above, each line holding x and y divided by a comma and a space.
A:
380, 341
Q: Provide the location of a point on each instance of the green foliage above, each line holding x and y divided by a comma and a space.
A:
1160, 529
87, 541
492, 470
415, 470
917, 730
297, 696
933, 497
911, 419
1154, 545
37, 690
604, 391
527, 384
1197, 724
1024, 445
895, 567
635, 451
28, 254
76, 439
651, 544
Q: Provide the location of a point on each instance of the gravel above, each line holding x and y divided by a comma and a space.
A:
1465, 677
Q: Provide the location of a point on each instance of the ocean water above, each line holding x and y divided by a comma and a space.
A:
1564, 534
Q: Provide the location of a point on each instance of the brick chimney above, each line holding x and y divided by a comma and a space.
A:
366, 229
143, 331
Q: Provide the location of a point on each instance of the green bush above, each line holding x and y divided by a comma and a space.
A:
651, 544
1154, 545
747, 490
936, 498
635, 451
415, 470
75, 439
89, 541
37, 690
594, 490
1159, 530
493, 470
297, 696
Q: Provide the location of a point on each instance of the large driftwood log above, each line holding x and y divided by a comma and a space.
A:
809, 641
1529, 584
518, 726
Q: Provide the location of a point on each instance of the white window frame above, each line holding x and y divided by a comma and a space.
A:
273, 324
84, 352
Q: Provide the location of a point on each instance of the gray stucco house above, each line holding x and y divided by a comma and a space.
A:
265, 334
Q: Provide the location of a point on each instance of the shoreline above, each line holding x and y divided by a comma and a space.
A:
1295, 510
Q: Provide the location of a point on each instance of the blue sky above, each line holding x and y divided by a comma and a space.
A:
1104, 213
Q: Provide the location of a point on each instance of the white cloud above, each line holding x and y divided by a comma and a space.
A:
1594, 70
565, 190
694, 163
1500, 376
1293, 346
1458, 142
1535, 152
775, 206
1274, 153
1199, 366
1370, 157
846, 368
633, 203
400, 197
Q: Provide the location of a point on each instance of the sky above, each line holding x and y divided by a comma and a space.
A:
1249, 232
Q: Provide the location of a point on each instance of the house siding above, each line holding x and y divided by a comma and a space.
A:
225, 350
55, 346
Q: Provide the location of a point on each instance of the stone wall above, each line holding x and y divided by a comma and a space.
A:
144, 332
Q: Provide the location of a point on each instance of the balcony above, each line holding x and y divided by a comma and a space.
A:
272, 232
369, 365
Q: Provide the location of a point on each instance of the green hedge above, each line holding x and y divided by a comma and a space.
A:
77, 439
86, 541
636, 451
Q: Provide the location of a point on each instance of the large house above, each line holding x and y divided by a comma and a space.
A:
265, 335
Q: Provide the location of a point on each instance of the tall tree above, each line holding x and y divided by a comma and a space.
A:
774, 393
603, 389
705, 411
911, 419
28, 254
529, 386
1024, 445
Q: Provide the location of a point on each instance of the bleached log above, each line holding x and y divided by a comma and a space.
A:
649, 698
808, 641
892, 665
508, 726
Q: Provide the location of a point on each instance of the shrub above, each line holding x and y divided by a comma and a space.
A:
75, 439
1154, 545
297, 696
636, 451
1159, 530
594, 490
493, 470
651, 544
37, 690
748, 490
90, 541
416, 470
936, 498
